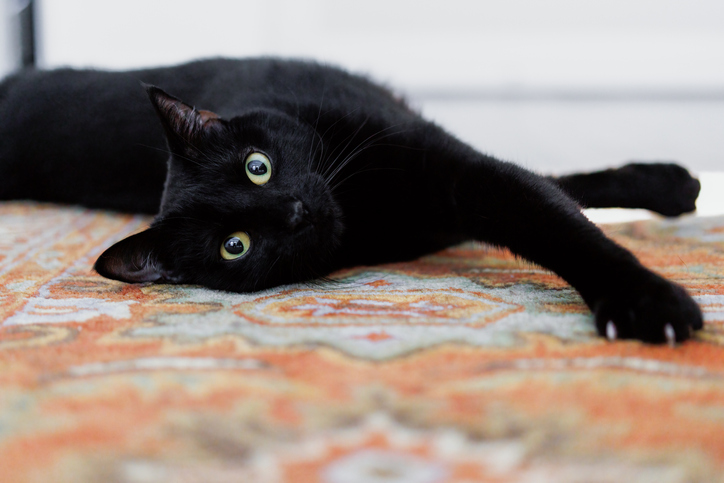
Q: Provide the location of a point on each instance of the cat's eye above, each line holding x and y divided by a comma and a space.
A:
258, 168
235, 245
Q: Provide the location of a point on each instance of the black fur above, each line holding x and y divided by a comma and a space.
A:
357, 177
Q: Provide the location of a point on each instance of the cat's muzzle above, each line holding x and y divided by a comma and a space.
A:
298, 215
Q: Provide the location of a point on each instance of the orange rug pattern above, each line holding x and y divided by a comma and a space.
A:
463, 366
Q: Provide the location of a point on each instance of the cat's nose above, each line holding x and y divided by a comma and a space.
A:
297, 215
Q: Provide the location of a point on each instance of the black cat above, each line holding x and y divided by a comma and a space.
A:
298, 169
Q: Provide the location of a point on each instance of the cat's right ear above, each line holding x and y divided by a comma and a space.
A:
135, 260
182, 123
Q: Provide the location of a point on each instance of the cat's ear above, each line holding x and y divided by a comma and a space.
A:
181, 121
135, 259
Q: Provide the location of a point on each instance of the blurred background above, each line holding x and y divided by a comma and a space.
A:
556, 86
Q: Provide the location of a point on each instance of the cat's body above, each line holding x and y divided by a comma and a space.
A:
297, 169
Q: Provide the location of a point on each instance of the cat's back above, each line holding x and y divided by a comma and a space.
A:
78, 136
230, 86
226, 86
92, 137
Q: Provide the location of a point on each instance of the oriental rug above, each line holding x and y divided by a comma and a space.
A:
464, 366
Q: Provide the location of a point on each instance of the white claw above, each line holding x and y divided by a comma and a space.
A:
611, 332
670, 334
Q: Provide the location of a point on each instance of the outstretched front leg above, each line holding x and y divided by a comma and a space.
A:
665, 188
506, 205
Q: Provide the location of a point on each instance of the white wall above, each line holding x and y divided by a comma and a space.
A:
460, 49
419, 45
7, 59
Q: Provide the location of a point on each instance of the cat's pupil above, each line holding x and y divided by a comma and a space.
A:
256, 168
234, 246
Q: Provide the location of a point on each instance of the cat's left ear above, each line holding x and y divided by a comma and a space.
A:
135, 260
181, 121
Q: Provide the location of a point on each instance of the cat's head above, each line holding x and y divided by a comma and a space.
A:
242, 209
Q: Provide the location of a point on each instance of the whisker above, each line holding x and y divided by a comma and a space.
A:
296, 100
269, 270
351, 138
323, 163
312, 149
316, 122
340, 182
366, 144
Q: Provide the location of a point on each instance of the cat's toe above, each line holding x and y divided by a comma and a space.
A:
683, 190
614, 321
670, 334
611, 331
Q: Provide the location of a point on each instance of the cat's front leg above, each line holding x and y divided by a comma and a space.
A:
503, 204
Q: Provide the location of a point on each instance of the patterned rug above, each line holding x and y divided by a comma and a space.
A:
464, 366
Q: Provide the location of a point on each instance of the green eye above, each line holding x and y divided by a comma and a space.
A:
235, 245
258, 168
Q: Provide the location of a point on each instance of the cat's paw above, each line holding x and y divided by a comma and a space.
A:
657, 311
665, 188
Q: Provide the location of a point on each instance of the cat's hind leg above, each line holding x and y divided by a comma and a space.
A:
664, 188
